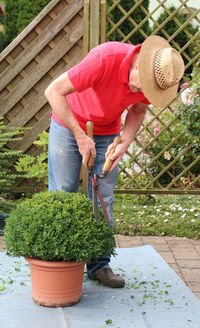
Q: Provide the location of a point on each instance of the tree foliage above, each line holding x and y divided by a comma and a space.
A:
28, 10
18, 14
127, 26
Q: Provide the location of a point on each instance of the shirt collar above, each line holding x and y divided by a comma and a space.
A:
125, 65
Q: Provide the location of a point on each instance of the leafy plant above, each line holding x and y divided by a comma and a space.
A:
189, 108
167, 129
35, 168
8, 155
58, 226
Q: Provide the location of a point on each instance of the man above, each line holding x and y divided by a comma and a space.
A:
112, 77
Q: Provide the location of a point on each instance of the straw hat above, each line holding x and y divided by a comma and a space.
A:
161, 67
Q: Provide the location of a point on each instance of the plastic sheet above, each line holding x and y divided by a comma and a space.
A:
154, 297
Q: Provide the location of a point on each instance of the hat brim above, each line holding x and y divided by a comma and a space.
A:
156, 96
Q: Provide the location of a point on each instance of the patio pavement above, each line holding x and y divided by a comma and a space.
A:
181, 254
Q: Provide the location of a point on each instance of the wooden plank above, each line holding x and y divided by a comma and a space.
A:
103, 21
42, 68
39, 127
39, 43
28, 29
86, 22
94, 23
40, 100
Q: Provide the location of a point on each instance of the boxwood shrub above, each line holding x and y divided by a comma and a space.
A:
58, 226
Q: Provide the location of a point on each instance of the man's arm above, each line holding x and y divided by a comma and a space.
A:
56, 94
134, 119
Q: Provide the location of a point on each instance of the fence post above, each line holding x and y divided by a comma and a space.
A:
94, 23
86, 24
103, 21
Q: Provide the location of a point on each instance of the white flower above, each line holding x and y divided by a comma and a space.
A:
183, 216
187, 96
193, 220
167, 155
158, 210
167, 213
166, 220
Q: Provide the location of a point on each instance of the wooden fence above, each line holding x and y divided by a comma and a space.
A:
48, 46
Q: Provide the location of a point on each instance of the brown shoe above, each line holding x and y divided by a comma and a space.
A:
108, 278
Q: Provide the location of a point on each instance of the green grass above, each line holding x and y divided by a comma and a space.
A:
157, 216
151, 216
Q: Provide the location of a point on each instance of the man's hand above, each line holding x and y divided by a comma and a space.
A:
117, 155
86, 147
133, 122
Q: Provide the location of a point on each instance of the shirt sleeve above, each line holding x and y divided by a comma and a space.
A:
145, 101
88, 72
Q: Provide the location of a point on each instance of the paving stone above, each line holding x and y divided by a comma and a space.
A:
194, 286
180, 243
184, 253
168, 257
175, 268
191, 275
195, 264
160, 247
197, 249
126, 241
197, 294
153, 239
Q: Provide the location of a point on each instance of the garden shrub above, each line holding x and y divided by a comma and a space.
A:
58, 226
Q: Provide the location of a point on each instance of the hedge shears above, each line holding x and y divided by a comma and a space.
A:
95, 177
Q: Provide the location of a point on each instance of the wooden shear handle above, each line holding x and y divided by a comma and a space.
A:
89, 129
108, 162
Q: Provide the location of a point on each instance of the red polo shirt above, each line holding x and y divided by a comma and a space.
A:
102, 87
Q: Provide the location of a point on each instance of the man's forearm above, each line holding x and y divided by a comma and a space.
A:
134, 119
62, 109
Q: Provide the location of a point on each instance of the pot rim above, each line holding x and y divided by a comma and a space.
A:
52, 263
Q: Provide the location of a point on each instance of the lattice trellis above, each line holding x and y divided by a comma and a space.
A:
153, 164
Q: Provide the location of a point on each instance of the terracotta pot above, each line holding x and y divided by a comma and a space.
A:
56, 284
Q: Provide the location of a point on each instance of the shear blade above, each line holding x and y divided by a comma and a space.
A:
94, 203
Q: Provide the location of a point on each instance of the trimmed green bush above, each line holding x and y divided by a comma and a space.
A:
58, 226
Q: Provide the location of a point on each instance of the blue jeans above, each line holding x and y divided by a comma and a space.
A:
64, 166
